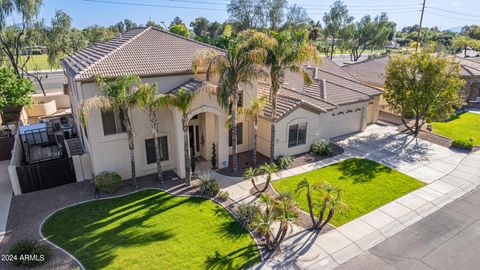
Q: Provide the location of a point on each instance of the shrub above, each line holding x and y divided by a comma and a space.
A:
321, 148
245, 213
208, 185
223, 195
30, 253
108, 182
463, 144
283, 161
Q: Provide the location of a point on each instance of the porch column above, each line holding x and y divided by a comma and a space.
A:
222, 141
177, 146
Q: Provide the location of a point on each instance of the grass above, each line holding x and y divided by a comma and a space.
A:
366, 186
152, 230
37, 62
462, 127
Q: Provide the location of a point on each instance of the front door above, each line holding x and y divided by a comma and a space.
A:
194, 132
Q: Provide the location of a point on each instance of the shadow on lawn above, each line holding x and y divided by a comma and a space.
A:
361, 170
220, 261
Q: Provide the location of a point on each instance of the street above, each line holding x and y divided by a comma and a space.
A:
54, 82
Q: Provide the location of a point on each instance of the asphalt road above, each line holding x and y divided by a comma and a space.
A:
54, 82
447, 239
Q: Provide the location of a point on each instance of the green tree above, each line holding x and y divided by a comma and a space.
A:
269, 170
275, 14
254, 110
179, 29
296, 17
14, 91
152, 103
280, 211
289, 52
329, 202
246, 14
200, 26
463, 42
120, 95
239, 65
336, 22
182, 100
96, 34
423, 87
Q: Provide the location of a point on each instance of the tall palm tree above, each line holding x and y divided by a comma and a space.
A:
240, 64
182, 99
153, 102
254, 110
121, 95
290, 52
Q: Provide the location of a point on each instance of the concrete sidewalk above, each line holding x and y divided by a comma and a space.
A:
449, 174
5, 196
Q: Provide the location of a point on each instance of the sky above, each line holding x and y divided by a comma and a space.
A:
445, 14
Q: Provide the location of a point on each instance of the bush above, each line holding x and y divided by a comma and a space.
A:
463, 144
321, 148
29, 253
223, 195
245, 213
208, 185
108, 182
283, 161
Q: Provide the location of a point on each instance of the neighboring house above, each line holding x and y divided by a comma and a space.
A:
335, 104
372, 72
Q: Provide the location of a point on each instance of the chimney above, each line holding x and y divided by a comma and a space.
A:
324, 89
315, 74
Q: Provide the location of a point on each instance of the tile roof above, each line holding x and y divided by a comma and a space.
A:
190, 86
143, 51
341, 88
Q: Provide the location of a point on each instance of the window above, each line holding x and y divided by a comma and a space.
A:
113, 123
150, 149
297, 134
239, 135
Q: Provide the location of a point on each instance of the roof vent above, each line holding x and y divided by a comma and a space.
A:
315, 73
324, 89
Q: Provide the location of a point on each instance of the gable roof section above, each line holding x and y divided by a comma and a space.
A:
142, 51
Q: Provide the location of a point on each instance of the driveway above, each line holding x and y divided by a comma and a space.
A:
447, 239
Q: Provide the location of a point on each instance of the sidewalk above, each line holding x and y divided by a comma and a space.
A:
449, 175
5, 196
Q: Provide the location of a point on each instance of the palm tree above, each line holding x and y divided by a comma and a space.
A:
182, 99
121, 95
280, 209
290, 52
330, 200
240, 64
268, 169
153, 102
254, 110
249, 174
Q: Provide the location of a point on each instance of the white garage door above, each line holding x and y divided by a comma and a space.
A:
344, 123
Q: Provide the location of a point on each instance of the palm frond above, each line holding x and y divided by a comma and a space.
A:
102, 103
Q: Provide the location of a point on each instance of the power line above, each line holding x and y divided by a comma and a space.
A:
150, 5
454, 12
446, 16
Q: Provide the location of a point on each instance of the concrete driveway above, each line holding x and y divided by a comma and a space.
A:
418, 158
447, 239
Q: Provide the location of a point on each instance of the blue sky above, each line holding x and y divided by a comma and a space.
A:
443, 13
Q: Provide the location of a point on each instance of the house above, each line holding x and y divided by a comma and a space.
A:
372, 72
335, 104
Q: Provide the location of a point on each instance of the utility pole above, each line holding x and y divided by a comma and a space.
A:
420, 27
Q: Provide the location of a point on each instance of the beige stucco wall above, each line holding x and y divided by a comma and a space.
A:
373, 110
62, 101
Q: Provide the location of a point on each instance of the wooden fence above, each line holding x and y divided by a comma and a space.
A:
45, 175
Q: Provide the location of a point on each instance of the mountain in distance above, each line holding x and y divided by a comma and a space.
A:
456, 29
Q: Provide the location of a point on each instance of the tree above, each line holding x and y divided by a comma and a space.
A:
272, 211
472, 31
239, 65
254, 110
249, 174
120, 95
246, 14
369, 33
463, 42
423, 87
63, 39
152, 103
182, 100
179, 29
275, 14
200, 26
267, 169
151, 23
336, 21
329, 201
176, 21
14, 91
296, 17
290, 52
96, 34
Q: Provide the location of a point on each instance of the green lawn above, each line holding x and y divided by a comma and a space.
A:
366, 186
152, 230
462, 127
37, 62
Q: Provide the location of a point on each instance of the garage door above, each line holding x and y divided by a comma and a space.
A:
346, 121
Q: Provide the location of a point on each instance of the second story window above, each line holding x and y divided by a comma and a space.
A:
113, 123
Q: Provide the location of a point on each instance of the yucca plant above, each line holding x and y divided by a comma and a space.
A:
329, 202
240, 64
119, 94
